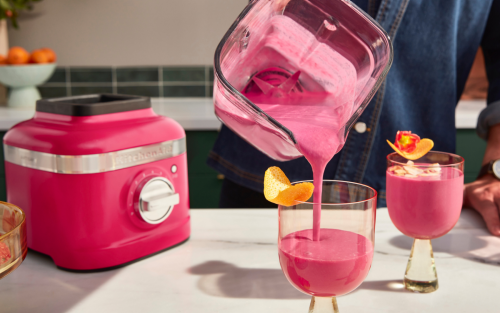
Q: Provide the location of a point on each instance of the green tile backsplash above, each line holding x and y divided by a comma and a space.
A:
184, 91
53, 92
150, 81
59, 76
148, 91
211, 74
184, 74
91, 75
210, 90
76, 91
137, 74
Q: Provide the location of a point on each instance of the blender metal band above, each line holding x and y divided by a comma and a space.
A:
94, 163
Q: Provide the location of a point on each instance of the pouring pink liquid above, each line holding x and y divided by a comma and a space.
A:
291, 81
314, 103
318, 124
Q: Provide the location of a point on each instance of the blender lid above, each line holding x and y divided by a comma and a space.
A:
96, 104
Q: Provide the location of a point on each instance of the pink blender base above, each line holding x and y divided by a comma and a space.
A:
88, 222
96, 242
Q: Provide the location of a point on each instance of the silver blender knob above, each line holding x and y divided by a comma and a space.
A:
156, 200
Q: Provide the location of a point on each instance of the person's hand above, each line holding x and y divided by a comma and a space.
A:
483, 195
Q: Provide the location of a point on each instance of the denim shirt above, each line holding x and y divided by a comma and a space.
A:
435, 43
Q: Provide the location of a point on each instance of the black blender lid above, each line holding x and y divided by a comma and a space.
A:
88, 105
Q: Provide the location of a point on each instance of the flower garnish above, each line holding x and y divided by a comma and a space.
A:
406, 141
410, 146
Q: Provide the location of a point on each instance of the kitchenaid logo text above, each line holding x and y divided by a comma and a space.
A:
146, 154
27, 160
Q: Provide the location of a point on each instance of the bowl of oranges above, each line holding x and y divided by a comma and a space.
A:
22, 71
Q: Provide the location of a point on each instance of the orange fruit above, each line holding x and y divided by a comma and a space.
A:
425, 145
3, 60
18, 55
279, 190
50, 54
39, 56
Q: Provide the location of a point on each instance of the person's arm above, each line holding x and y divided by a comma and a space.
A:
484, 194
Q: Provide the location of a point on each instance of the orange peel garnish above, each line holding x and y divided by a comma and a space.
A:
279, 190
410, 146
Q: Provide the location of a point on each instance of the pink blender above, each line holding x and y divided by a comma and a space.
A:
101, 178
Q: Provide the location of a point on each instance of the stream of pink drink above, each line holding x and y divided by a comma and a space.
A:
332, 266
316, 121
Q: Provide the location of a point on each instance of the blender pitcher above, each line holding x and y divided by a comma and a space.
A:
318, 61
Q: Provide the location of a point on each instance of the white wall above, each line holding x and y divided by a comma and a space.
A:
128, 32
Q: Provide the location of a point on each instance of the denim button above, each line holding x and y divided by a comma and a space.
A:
360, 127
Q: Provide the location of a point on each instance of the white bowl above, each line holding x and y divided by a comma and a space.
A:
26, 75
22, 80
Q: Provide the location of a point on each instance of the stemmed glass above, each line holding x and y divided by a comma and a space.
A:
339, 261
424, 199
13, 240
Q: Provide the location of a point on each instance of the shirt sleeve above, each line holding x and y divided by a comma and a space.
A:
489, 116
491, 48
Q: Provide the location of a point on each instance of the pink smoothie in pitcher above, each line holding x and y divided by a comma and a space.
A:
332, 266
425, 207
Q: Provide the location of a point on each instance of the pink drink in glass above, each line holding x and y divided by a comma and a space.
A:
424, 199
339, 260
333, 266
425, 207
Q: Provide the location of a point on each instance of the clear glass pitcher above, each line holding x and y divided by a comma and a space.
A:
326, 54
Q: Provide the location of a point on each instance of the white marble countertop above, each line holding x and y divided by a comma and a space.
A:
230, 264
198, 113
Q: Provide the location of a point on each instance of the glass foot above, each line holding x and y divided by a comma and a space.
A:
421, 273
421, 286
323, 305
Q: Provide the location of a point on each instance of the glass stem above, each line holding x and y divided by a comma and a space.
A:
421, 273
323, 305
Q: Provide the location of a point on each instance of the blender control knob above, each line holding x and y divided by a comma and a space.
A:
156, 200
